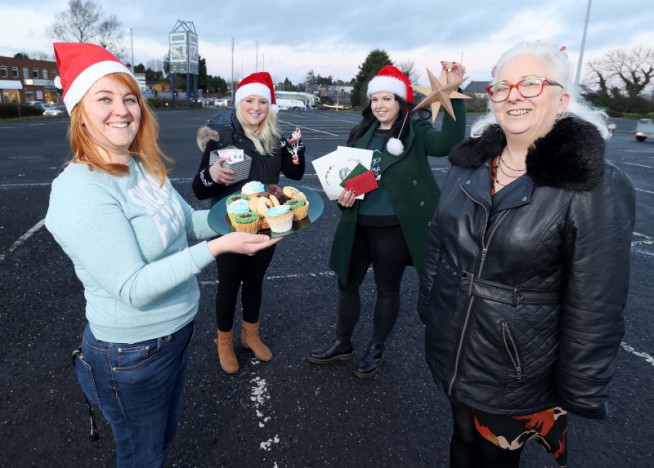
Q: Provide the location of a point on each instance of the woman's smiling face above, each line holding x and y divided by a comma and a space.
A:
529, 118
385, 108
254, 110
112, 117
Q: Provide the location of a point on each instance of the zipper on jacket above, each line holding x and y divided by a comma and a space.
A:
511, 348
484, 251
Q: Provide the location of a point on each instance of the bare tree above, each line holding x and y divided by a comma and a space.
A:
408, 67
155, 65
110, 36
630, 71
84, 21
39, 55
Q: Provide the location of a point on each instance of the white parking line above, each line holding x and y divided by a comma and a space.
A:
637, 165
308, 128
647, 240
649, 359
23, 238
34, 184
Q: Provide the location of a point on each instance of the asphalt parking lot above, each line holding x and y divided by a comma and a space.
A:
285, 413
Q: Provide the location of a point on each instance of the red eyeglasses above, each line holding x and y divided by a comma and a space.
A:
528, 88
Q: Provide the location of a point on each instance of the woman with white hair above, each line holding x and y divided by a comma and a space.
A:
526, 266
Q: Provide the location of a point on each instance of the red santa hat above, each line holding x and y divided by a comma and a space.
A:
391, 80
256, 84
80, 65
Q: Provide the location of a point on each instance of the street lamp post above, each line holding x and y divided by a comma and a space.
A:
583, 46
131, 40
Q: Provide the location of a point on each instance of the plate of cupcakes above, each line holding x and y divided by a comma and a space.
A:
266, 209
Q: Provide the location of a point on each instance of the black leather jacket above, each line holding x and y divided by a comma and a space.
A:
523, 295
264, 168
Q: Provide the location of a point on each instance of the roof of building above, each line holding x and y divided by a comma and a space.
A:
476, 87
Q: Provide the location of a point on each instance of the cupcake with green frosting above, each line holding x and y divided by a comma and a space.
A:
246, 222
299, 207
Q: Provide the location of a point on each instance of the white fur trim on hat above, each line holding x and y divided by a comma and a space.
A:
386, 84
88, 77
252, 89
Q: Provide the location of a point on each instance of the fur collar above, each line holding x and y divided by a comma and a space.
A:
208, 132
570, 156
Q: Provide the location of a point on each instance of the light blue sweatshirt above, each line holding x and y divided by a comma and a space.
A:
128, 240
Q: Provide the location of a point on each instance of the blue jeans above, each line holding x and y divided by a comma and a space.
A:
138, 387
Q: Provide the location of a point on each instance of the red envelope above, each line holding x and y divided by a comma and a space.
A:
363, 183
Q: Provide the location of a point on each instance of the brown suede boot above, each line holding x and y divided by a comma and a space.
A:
250, 340
226, 356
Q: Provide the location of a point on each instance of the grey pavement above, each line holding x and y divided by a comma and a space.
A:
288, 412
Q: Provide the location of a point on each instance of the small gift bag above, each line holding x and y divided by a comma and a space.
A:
235, 159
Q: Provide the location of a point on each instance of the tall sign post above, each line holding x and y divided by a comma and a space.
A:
184, 58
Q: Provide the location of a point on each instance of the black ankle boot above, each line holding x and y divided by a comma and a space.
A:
337, 349
368, 365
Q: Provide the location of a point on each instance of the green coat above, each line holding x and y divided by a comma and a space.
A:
410, 185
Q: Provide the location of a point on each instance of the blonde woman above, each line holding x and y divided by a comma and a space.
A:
252, 127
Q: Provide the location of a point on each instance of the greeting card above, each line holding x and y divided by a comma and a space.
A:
334, 167
363, 183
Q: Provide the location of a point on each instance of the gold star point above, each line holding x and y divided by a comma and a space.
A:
440, 94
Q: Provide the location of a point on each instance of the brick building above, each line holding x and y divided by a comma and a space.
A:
23, 79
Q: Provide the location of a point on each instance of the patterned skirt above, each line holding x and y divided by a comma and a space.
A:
549, 428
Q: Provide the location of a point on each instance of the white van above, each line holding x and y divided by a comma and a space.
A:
644, 129
290, 104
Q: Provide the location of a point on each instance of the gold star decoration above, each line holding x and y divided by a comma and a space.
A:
440, 93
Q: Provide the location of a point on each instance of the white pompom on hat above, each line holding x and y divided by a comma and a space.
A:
391, 80
256, 84
80, 66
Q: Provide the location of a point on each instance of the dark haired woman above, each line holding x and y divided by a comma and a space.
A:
388, 228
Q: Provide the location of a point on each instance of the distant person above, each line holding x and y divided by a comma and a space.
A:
252, 127
388, 228
526, 267
126, 229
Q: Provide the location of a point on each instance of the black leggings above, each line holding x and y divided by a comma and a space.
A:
234, 270
386, 249
468, 449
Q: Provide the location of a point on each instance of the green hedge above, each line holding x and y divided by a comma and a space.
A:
155, 103
14, 111
629, 115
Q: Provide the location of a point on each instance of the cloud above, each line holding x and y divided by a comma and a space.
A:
334, 38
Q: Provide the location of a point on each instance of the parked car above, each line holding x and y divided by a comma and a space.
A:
52, 110
644, 129
224, 102
37, 104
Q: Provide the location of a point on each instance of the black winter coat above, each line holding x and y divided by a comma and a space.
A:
264, 168
523, 301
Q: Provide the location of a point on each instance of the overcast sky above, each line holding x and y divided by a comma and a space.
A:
333, 37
